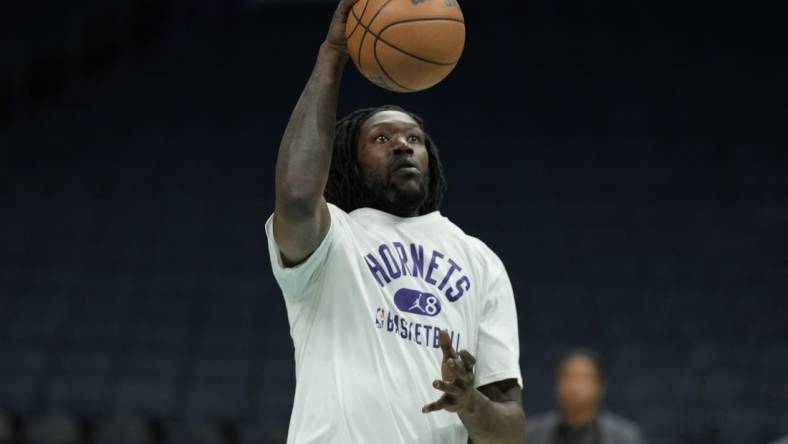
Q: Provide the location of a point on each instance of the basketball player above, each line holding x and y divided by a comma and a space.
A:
404, 327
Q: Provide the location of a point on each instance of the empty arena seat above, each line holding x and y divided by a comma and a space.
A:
123, 430
6, 429
195, 432
263, 432
53, 429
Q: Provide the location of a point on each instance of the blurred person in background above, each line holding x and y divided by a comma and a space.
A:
581, 385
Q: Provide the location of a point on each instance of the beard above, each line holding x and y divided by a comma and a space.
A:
395, 198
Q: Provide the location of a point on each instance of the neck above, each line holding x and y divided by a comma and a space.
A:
400, 203
579, 417
400, 212
398, 208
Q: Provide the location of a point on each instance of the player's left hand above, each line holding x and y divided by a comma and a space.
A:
457, 385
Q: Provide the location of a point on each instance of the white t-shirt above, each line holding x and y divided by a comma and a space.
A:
364, 310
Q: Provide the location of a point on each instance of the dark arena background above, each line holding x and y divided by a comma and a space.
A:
627, 161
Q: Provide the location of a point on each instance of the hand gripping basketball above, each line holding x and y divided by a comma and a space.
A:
336, 32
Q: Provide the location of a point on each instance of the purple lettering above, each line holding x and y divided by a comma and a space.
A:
388, 260
433, 266
463, 285
403, 257
377, 270
454, 267
390, 323
417, 254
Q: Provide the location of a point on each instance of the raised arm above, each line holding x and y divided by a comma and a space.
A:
301, 217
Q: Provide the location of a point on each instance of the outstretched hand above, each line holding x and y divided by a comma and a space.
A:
336, 32
457, 385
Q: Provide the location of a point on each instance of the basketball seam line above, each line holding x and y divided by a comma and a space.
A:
431, 19
358, 19
375, 52
377, 36
366, 29
383, 70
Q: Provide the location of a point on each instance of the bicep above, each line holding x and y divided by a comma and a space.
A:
298, 233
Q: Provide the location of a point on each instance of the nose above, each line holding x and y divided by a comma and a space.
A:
401, 146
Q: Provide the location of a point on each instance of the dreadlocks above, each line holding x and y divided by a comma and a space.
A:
346, 187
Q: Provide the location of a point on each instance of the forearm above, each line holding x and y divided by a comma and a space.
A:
490, 422
305, 150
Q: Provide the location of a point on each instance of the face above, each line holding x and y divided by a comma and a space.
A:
394, 161
579, 386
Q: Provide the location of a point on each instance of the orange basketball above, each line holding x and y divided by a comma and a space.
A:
405, 45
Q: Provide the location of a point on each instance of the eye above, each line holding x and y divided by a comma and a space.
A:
381, 138
414, 139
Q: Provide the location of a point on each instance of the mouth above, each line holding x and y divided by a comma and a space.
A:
405, 166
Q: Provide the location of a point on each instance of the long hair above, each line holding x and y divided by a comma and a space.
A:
346, 187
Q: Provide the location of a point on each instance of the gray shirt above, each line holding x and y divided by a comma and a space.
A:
607, 428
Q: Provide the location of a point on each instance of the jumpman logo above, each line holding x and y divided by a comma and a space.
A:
417, 304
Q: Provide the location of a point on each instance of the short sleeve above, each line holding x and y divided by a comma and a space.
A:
297, 282
498, 352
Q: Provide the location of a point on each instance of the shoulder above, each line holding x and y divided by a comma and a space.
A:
480, 246
338, 214
482, 251
620, 426
343, 225
783, 440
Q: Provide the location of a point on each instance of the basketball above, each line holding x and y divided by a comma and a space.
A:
405, 45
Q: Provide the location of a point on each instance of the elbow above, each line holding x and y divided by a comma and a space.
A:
297, 201
296, 188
